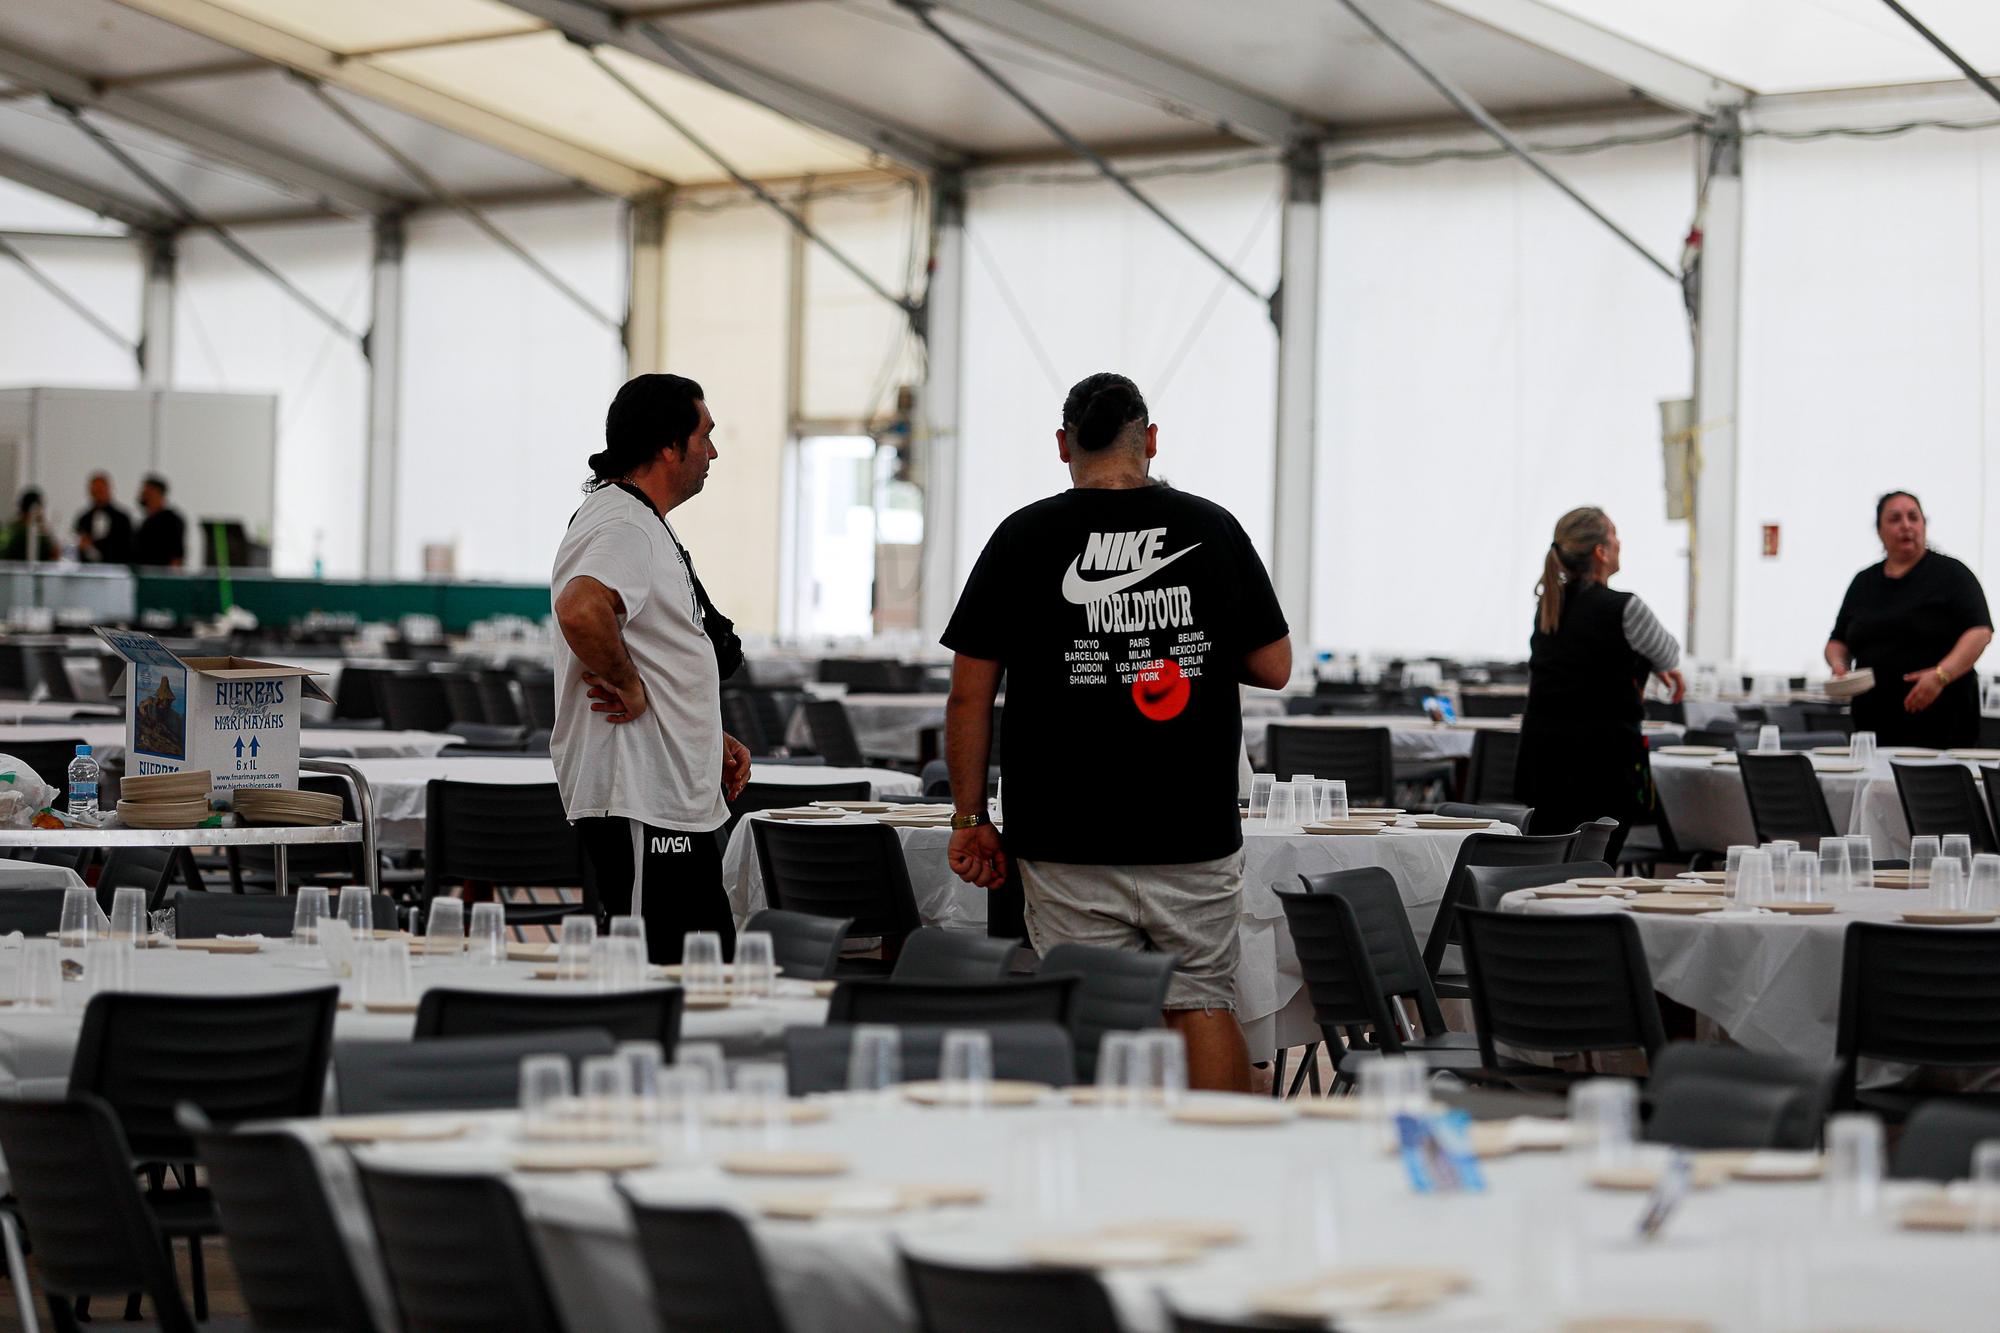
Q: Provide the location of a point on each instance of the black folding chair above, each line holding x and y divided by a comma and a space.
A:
458, 1253
804, 945
1939, 1138
832, 733
508, 837
1117, 990
1786, 801
1501, 812
816, 1057
1560, 985
33, 912
1942, 799
1489, 777
854, 872
1592, 840
413, 701
1361, 757
653, 1014
951, 1299
1724, 1097
1480, 849
932, 953
1489, 884
1916, 995
707, 1275
953, 1004
450, 1073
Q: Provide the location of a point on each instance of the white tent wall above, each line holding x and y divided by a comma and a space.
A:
857, 347
236, 331
1066, 279
1871, 340
42, 341
1491, 357
728, 318
505, 383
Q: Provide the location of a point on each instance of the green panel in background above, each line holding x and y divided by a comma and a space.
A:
278, 602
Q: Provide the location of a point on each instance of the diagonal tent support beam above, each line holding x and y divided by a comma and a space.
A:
445, 195
40, 277
1965, 67
791, 216
193, 218
57, 185
1479, 115
921, 9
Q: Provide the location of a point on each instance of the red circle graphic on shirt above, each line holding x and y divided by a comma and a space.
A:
1161, 691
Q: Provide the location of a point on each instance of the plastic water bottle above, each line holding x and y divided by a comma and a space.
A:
83, 775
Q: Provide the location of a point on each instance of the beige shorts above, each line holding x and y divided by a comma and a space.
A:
1188, 910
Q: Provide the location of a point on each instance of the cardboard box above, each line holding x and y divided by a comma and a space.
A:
234, 716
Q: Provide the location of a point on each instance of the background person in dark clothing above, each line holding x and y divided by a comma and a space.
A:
1918, 619
103, 531
162, 537
27, 537
1583, 753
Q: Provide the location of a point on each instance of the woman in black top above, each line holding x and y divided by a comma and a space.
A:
1583, 755
1919, 621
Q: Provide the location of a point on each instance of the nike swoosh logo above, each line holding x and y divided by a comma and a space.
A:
1083, 591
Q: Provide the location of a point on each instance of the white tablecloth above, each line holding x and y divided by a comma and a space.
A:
1412, 740
36, 1048
1770, 980
33, 874
397, 785
1270, 996
1538, 1248
1708, 810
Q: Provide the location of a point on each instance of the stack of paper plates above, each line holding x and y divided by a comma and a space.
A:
1852, 685
163, 814
188, 785
263, 805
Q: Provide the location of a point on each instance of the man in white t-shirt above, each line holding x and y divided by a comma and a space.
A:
640, 754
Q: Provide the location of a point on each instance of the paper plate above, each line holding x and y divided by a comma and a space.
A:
999, 1092
163, 814
1349, 829
1450, 822
1387, 812
1224, 1109
784, 1164
1912, 752
1178, 1231
1675, 905
1950, 916
1692, 751
805, 812
1360, 1291
1851, 685
187, 785
1095, 1252
1935, 1214
221, 946
855, 807
1727, 760
1841, 750
390, 1006
854, 1201
1578, 891
1770, 1166
1973, 753
585, 1157
1840, 767
393, 1129
1705, 876
796, 1112
1800, 909
1645, 1175
530, 953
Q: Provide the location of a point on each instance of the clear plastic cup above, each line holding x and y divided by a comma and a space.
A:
386, 979
1802, 883
487, 944
38, 985
337, 947
1394, 1085
545, 1093
573, 947
1923, 855
444, 927
1260, 794
1833, 866
630, 926
1753, 879
604, 1087
1853, 1180
756, 965
1983, 889
705, 1060
874, 1058
1732, 866
619, 964
357, 911
965, 1067
643, 1063
1604, 1120
1336, 799
1957, 847
1159, 1066
1861, 747
1860, 861
701, 963
683, 1093
1281, 816
78, 925
1044, 1176
128, 916
107, 965
1781, 870
1117, 1053
309, 908
761, 1094
1769, 740
1947, 885
1985, 1186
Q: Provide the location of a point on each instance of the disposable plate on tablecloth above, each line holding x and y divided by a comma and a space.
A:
778, 1163
1446, 822
796, 1113
1767, 1165
1912, 752
1840, 766
1842, 751
1361, 1290
1635, 883
190, 784
1705, 876
1675, 905
1579, 891
999, 1092
1852, 685
1800, 909
1936, 1213
529, 952
864, 1200
805, 812
1231, 1109
1094, 1252
855, 807
1178, 1231
1975, 754
221, 945
1706, 1172
1950, 916
1728, 759
585, 1157
1343, 828
1691, 751
392, 1129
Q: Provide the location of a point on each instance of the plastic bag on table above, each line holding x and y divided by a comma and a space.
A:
22, 793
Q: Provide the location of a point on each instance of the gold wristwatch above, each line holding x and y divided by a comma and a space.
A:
973, 820
1944, 677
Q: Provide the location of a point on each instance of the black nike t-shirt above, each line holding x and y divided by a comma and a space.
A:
1122, 618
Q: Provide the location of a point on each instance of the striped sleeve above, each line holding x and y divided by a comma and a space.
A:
1649, 638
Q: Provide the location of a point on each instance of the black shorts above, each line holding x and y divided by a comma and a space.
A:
677, 875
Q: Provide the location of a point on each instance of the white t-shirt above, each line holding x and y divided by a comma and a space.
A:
665, 769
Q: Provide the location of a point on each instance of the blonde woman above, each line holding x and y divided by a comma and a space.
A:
1583, 755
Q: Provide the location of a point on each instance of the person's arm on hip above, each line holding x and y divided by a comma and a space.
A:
591, 618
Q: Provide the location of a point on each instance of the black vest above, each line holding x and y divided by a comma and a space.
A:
1585, 671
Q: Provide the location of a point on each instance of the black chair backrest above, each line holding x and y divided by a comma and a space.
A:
1989, 782
804, 945
1785, 798
1918, 995
33, 912
1117, 990
461, 696
1361, 757
1592, 840
935, 954
501, 833
1504, 812
203, 916
968, 1004
1347, 997
1706, 1096
47, 669
1559, 983
1942, 799
1385, 928
1486, 849
458, 1252
148, 868
1489, 884
1490, 775
1939, 1138
70, 1172
816, 1057
237, 1057
450, 1073
741, 719
497, 703
757, 796
291, 1258
538, 697
50, 760
854, 871
950, 1299
653, 1014
14, 669
707, 1275
833, 732
358, 696
413, 701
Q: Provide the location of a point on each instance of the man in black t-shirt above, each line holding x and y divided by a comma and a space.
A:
162, 536
103, 531
1124, 615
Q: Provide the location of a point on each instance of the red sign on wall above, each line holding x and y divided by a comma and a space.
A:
1770, 541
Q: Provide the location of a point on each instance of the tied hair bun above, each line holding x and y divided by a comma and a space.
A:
1100, 407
